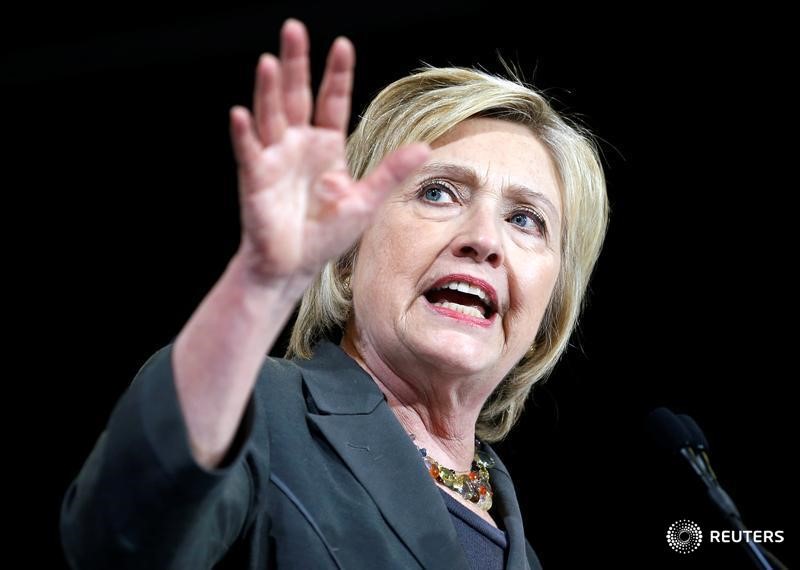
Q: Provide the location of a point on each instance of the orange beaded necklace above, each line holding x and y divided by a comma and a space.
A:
473, 485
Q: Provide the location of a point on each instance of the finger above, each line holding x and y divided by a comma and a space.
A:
246, 146
392, 171
296, 74
270, 119
335, 93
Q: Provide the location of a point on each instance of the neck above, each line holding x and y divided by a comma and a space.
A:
440, 412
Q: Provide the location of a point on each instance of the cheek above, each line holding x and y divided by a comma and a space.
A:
400, 246
540, 282
388, 264
380, 248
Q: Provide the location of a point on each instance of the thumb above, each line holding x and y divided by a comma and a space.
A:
392, 170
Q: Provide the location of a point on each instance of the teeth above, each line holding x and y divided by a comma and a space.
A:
466, 288
471, 311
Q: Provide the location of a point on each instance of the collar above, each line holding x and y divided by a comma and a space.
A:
337, 383
352, 414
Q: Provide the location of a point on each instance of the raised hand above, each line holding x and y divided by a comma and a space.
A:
299, 205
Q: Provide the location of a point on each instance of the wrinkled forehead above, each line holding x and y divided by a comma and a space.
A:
495, 154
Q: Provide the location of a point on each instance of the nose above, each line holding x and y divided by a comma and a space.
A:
479, 236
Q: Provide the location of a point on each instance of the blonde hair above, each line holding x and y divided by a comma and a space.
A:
422, 107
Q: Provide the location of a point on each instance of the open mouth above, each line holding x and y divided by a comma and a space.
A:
464, 302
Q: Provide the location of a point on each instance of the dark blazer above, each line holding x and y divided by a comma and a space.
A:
321, 475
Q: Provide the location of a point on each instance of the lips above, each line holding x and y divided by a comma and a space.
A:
459, 290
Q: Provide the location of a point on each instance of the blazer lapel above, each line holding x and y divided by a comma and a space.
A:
506, 508
359, 425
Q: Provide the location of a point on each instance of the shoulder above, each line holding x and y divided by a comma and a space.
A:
281, 367
330, 382
278, 378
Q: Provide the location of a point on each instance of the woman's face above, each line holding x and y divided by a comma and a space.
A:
485, 211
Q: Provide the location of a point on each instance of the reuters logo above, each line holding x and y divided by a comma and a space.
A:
684, 536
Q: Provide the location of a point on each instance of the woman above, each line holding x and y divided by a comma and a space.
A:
446, 252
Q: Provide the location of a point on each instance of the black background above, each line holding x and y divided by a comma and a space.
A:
121, 197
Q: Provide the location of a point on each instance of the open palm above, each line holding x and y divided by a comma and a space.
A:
299, 205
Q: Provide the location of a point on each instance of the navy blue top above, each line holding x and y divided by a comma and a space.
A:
484, 545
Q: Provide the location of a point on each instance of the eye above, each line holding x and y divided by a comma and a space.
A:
529, 220
437, 192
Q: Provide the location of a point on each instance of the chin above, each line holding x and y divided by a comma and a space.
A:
454, 352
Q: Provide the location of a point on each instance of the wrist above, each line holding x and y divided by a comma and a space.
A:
247, 266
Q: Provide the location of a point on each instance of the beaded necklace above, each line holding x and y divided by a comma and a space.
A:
473, 485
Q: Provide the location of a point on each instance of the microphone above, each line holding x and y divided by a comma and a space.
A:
698, 441
680, 434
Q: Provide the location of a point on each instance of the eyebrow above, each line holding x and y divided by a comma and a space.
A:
469, 176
